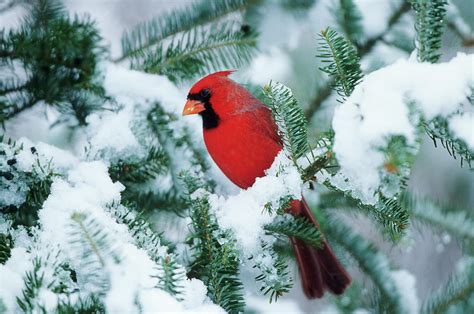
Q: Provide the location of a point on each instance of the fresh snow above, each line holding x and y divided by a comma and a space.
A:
406, 284
462, 125
244, 213
375, 24
83, 186
382, 106
11, 275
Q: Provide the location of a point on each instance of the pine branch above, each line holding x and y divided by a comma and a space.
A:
370, 260
172, 139
155, 163
59, 56
43, 11
199, 51
438, 130
342, 62
89, 304
216, 262
326, 89
149, 201
6, 245
297, 6
458, 223
30, 188
368, 46
297, 227
289, 116
458, 291
146, 35
389, 213
94, 248
170, 274
34, 281
349, 19
275, 279
429, 26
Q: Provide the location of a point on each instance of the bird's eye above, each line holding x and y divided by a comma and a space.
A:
204, 93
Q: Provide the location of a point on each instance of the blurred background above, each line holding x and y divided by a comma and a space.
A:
287, 48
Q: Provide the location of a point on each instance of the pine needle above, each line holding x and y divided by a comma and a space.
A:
429, 26
343, 63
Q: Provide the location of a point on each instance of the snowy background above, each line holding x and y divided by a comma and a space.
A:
287, 49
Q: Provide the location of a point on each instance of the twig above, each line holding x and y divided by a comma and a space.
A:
326, 90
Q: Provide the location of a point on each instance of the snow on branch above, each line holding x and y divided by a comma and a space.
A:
110, 257
390, 105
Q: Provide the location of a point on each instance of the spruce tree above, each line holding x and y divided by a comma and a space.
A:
126, 213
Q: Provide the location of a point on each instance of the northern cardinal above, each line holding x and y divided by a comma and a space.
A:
242, 139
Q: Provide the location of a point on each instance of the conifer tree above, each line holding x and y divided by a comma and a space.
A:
140, 222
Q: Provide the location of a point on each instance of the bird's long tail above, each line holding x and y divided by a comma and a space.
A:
319, 268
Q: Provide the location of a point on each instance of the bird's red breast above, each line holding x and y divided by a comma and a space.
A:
240, 134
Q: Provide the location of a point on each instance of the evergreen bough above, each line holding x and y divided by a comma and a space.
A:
342, 61
216, 260
59, 55
370, 260
199, 51
349, 20
200, 41
289, 116
145, 36
429, 26
456, 296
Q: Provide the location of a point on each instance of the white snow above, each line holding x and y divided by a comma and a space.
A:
375, 23
111, 134
244, 213
406, 284
381, 106
462, 126
86, 188
11, 276
273, 64
129, 86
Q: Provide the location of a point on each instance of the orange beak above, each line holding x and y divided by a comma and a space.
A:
193, 107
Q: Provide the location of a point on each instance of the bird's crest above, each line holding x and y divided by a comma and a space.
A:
222, 73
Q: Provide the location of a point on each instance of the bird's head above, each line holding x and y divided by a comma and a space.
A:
211, 98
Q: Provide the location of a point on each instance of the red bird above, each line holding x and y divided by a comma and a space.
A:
242, 139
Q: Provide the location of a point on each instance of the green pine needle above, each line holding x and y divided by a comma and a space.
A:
290, 119
297, 227
94, 247
390, 213
275, 280
144, 36
455, 296
155, 163
349, 20
88, 304
438, 131
429, 26
6, 245
458, 223
343, 63
170, 274
34, 281
198, 52
370, 260
59, 56
216, 260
